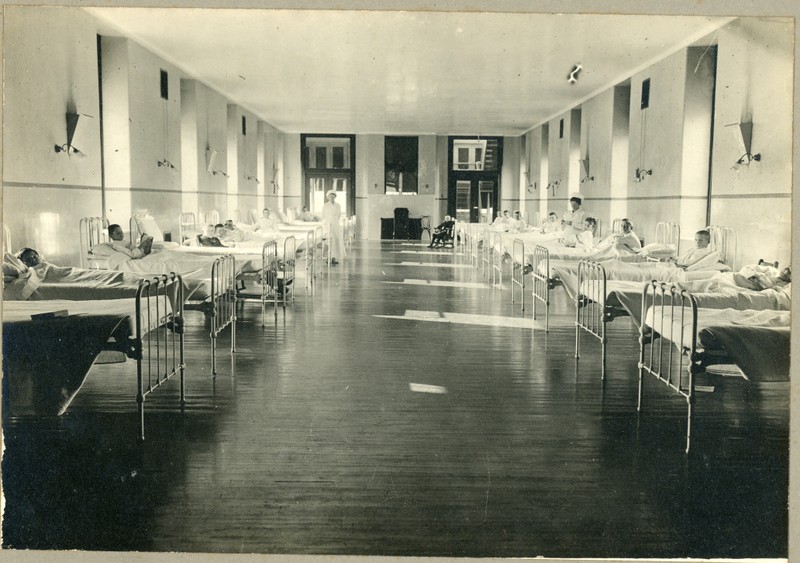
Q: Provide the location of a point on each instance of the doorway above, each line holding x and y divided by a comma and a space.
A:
329, 164
474, 166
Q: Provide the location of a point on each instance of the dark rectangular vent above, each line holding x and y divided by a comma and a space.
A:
646, 93
164, 84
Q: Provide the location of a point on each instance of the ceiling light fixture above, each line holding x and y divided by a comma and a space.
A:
572, 77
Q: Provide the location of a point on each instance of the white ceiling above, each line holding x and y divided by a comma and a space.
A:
403, 72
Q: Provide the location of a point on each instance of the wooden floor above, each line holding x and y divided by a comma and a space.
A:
404, 408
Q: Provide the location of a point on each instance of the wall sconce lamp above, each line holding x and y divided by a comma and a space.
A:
744, 134
554, 184
166, 164
585, 166
252, 179
747, 158
641, 174
72, 124
219, 173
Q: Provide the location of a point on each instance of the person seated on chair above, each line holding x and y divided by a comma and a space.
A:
443, 232
119, 244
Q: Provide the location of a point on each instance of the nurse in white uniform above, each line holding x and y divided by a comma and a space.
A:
332, 227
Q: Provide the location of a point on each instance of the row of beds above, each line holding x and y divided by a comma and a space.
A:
110, 309
687, 321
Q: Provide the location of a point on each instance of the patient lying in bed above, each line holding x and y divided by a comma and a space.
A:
119, 244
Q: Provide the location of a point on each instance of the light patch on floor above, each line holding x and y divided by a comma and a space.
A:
424, 388
431, 264
438, 283
434, 252
465, 319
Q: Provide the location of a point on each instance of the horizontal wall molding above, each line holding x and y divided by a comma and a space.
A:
49, 186
149, 190
752, 196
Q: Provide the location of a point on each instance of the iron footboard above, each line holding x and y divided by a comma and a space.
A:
542, 283
158, 343
591, 312
223, 303
518, 270
674, 359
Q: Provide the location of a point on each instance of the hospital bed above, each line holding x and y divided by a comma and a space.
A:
272, 282
50, 346
604, 291
544, 279
678, 340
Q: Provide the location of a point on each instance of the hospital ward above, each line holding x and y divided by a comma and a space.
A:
397, 283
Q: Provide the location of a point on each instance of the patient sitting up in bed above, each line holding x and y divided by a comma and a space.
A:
702, 239
552, 224
585, 239
266, 222
628, 242
518, 224
119, 244
306, 215
208, 237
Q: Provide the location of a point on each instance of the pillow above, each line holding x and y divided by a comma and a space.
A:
147, 225
281, 216
13, 266
291, 213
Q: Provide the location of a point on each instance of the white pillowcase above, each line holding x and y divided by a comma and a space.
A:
147, 224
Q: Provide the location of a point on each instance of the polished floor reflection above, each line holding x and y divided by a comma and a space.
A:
352, 426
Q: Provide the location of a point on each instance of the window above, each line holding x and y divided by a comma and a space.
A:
646, 93
164, 84
561, 129
475, 155
244, 125
401, 164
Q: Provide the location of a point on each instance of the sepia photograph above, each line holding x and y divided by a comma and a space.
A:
460, 280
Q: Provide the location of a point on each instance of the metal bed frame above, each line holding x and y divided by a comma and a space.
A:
723, 239
542, 282
159, 353
491, 259
275, 277
669, 233
286, 270
659, 360
267, 278
210, 217
592, 314
221, 308
93, 231
518, 270
6, 239
187, 226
